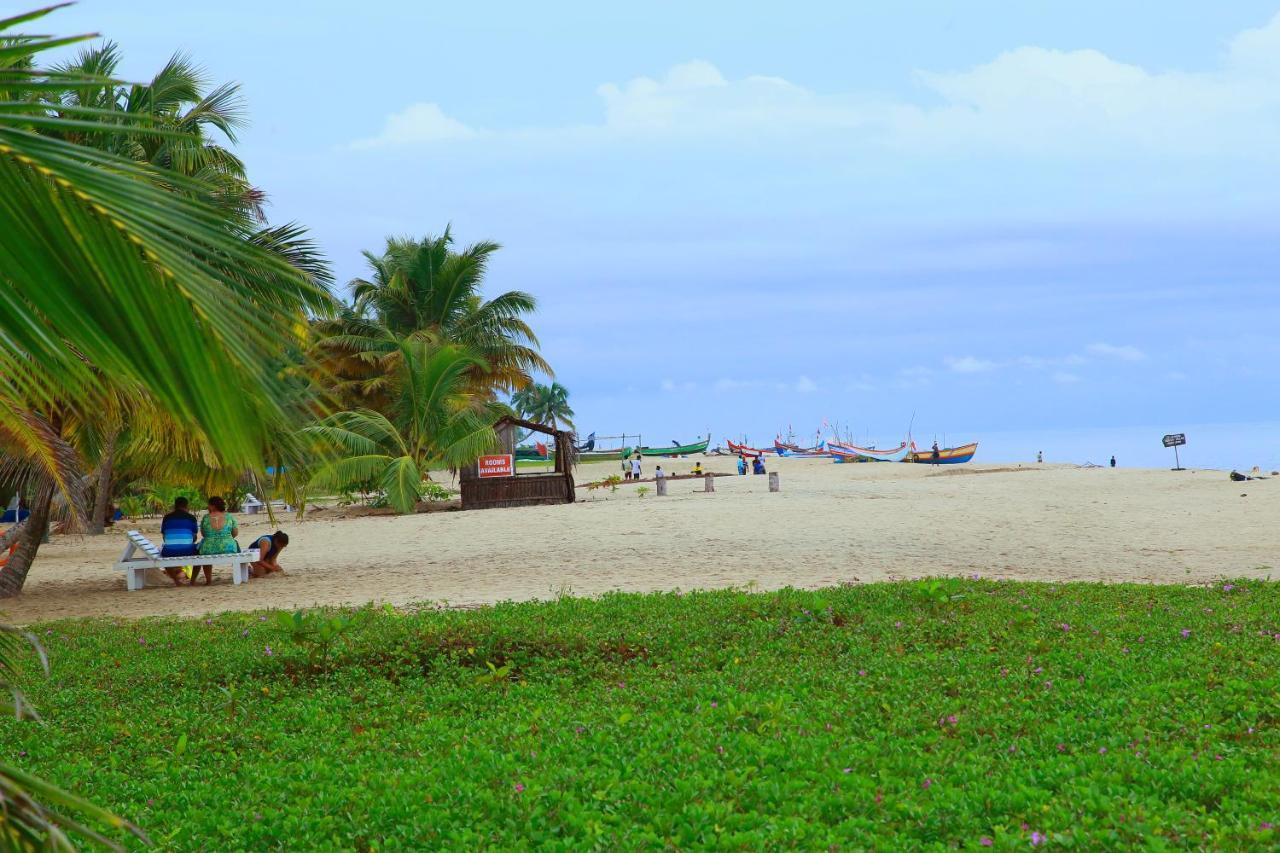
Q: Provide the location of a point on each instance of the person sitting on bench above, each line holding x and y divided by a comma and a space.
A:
269, 546
179, 529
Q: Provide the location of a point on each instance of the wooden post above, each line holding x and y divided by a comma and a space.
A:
661, 486
710, 481
773, 481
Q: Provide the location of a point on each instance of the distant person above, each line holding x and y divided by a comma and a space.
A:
935, 455
635, 468
757, 465
658, 474
1113, 460
1039, 457
742, 465
626, 469
697, 469
218, 531
269, 546
179, 530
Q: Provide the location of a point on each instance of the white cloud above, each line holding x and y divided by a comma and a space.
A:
1029, 100
969, 364
1123, 353
671, 387
417, 124
1062, 377
805, 385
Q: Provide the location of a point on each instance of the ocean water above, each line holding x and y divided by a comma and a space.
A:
1227, 445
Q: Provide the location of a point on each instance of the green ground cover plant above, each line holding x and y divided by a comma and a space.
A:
935, 714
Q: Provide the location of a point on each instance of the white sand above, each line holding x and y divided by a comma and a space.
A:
830, 524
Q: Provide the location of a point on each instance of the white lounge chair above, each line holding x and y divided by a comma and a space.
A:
135, 568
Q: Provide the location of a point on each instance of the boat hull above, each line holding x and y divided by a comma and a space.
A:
743, 450
946, 455
674, 450
849, 451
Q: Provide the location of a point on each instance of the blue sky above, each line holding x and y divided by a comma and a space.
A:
1000, 217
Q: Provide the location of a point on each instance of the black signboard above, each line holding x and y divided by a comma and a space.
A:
1174, 440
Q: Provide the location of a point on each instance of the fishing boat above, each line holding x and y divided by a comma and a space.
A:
946, 455
538, 451
744, 450
793, 452
676, 449
849, 452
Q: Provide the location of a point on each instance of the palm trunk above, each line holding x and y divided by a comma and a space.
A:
14, 574
102, 498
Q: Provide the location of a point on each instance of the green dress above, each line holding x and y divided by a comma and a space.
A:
219, 541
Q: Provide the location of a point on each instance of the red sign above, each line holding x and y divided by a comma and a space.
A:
502, 465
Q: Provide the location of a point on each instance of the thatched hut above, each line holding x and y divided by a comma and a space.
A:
494, 481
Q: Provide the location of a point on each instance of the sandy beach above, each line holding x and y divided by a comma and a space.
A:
829, 524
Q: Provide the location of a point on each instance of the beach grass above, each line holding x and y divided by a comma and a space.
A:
948, 713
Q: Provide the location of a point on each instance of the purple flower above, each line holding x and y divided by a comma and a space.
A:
1013, 747
848, 770
927, 784
262, 619
1038, 670
519, 787
244, 633
862, 672
952, 719
1037, 839
1185, 632
1102, 750
268, 651
1065, 627
1048, 685
1266, 824
1227, 587
897, 624
142, 641
985, 841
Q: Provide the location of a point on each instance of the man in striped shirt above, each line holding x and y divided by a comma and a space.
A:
178, 529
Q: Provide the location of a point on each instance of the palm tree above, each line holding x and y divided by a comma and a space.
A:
433, 421
545, 404
121, 272
424, 287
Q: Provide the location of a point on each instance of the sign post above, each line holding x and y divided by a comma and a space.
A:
498, 465
1175, 440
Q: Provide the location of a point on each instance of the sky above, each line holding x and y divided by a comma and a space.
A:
1013, 222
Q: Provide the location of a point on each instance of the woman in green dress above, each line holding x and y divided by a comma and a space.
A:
218, 532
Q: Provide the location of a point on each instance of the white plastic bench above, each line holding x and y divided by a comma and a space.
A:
135, 568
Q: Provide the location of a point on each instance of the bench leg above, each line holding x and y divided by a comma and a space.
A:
135, 578
240, 573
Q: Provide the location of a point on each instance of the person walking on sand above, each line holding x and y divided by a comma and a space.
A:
742, 465
635, 467
1039, 456
1113, 460
934, 455
626, 469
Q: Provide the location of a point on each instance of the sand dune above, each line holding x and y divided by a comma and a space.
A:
830, 524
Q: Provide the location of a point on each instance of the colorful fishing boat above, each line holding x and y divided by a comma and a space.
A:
850, 452
793, 452
538, 451
946, 455
674, 450
744, 450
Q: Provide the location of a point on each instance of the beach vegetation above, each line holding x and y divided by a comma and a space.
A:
1068, 715
435, 420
